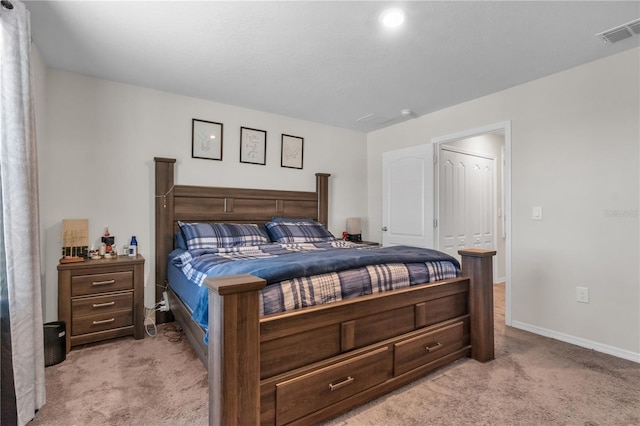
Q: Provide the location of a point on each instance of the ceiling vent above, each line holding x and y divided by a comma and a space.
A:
620, 33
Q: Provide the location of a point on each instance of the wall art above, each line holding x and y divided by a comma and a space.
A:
206, 140
253, 146
292, 150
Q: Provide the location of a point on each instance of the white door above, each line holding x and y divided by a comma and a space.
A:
407, 200
466, 202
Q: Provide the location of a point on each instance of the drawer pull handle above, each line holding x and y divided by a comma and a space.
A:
104, 321
103, 282
433, 347
345, 382
102, 305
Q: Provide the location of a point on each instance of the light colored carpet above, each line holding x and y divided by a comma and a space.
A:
533, 381
153, 381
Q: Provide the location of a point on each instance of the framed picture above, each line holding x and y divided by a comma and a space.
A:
292, 150
206, 140
253, 146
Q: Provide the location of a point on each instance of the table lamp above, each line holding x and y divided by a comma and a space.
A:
354, 229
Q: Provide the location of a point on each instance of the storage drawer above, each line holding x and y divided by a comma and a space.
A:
102, 304
82, 285
310, 392
100, 322
428, 347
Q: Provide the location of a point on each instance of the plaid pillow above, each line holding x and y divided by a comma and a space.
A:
217, 235
298, 232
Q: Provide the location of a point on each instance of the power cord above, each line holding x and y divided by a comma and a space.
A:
149, 317
149, 320
173, 333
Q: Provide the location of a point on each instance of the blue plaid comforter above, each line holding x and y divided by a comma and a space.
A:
307, 274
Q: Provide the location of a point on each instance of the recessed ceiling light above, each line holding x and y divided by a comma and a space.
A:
392, 18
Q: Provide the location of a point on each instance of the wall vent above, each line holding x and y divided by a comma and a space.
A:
620, 33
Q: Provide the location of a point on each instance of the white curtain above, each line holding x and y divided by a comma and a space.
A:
19, 217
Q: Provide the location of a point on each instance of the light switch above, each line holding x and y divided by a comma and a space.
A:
537, 213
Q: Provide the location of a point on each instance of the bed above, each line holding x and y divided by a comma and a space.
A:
308, 365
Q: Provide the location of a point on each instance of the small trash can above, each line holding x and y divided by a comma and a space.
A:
55, 344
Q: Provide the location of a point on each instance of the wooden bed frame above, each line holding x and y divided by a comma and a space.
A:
309, 365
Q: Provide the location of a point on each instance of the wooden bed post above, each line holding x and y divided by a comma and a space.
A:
234, 349
164, 222
322, 189
477, 265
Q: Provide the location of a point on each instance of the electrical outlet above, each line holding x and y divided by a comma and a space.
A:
164, 306
582, 294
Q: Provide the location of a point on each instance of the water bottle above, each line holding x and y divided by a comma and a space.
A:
133, 247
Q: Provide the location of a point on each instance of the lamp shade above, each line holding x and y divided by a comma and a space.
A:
354, 225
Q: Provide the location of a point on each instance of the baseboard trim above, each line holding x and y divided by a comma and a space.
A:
588, 344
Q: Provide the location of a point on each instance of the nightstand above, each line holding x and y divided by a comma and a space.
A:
101, 299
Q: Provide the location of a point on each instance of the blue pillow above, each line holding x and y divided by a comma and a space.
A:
179, 241
298, 232
220, 235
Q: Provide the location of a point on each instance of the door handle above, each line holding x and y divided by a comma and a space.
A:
384, 228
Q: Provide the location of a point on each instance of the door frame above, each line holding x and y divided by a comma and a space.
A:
504, 127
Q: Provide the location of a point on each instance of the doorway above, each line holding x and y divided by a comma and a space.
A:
475, 212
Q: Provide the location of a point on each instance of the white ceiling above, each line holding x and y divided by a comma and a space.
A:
326, 61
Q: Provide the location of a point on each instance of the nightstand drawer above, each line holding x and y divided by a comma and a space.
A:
100, 322
102, 304
82, 285
423, 349
310, 392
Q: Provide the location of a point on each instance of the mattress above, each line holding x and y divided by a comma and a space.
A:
302, 275
182, 286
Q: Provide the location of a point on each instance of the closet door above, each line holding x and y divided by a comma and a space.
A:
466, 201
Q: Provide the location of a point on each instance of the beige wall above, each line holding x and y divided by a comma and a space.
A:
575, 152
96, 149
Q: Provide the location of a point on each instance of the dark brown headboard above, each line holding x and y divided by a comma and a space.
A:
188, 203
